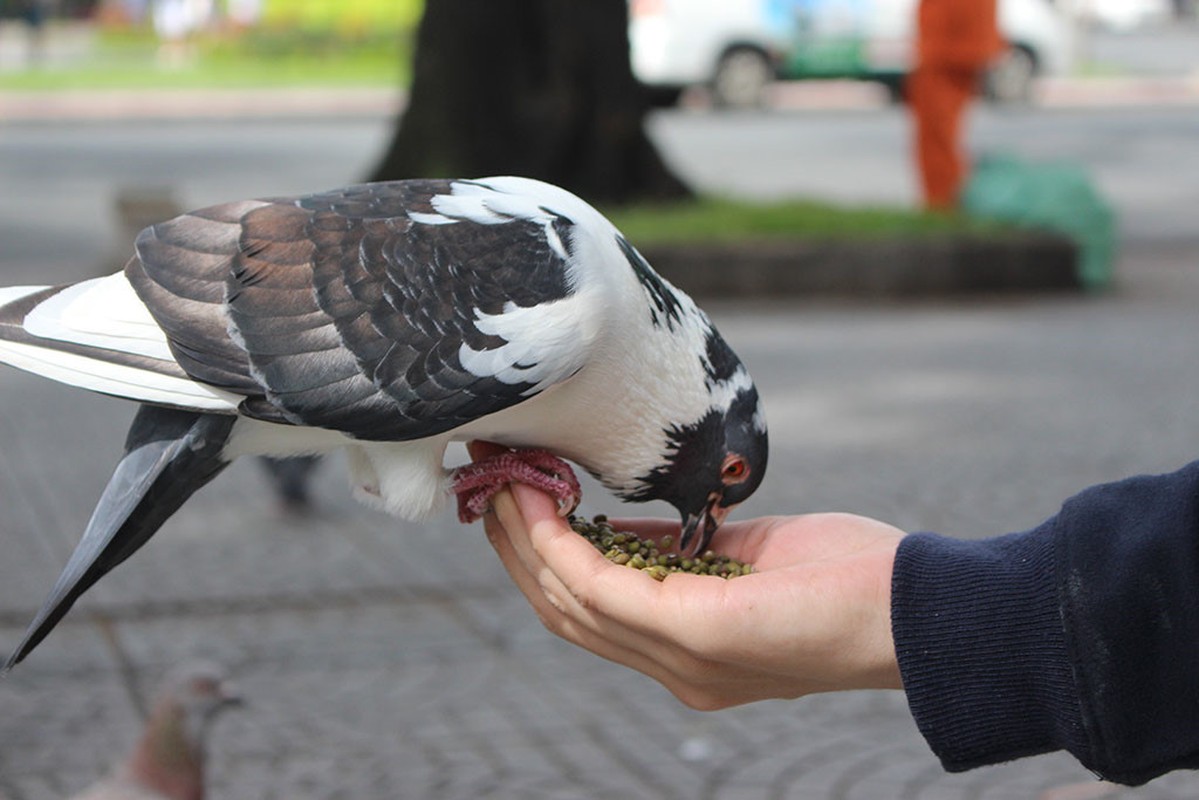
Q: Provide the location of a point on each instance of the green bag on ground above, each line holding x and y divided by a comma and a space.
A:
1056, 196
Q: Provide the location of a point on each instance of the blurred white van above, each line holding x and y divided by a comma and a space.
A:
1125, 15
737, 47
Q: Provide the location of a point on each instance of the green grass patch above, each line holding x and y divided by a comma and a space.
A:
343, 14
268, 56
711, 219
231, 74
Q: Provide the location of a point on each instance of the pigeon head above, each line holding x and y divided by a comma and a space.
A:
194, 694
713, 464
717, 460
168, 759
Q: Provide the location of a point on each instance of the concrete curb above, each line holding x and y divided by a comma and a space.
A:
872, 269
185, 104
310, 102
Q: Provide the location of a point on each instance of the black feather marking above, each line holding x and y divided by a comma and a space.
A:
720, 362
665, 307
691, 466
692, 450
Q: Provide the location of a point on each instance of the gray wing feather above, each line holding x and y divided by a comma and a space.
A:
337, 310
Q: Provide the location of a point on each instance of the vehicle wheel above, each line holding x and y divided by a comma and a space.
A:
741, 78
1010, 79
663, 96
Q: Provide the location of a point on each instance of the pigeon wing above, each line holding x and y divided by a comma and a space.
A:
387, 311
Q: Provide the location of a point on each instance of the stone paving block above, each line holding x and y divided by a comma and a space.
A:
52, 744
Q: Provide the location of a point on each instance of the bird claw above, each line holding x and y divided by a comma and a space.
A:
477, 483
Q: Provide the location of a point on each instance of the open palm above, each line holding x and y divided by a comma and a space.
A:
814, 616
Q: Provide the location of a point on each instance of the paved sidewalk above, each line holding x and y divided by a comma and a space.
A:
113, 104
389, 660
93, 104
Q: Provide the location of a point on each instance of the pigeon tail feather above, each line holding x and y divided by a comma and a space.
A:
98, 335
169, 454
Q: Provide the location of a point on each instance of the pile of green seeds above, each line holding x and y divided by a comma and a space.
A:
623, 547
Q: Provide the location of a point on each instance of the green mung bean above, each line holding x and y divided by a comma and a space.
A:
652, 558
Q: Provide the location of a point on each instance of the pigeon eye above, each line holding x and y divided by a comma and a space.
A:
735, 470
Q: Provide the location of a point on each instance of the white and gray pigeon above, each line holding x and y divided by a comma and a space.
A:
167, 761
390, 319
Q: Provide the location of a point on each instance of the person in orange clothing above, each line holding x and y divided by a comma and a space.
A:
956, 40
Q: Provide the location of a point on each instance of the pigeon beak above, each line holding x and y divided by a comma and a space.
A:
698, 528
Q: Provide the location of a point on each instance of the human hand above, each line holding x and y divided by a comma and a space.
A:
814, 616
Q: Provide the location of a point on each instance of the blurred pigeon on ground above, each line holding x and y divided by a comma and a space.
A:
167, 762
290, 478
388, 320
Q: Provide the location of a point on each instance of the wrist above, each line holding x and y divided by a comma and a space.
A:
879, 667
856, 648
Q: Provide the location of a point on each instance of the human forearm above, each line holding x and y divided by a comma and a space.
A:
1080, 635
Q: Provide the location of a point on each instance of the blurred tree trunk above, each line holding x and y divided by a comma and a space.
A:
540, 88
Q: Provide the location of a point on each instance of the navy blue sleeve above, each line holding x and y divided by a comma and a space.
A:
1079, 635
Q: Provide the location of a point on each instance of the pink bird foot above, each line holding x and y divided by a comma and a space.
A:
476, 483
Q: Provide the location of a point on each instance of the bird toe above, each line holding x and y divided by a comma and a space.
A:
476, 483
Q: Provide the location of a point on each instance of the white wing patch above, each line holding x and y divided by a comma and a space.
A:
105, 314
545, 344
101, 312
115, 379
430, 219
484, 205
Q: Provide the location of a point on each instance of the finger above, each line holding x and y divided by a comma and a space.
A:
554, 605
528, 507
682, 664
499, 535
524, 508
674, 622
560, 612
508, 532
629, 598
549, 550
642, 656
525, 580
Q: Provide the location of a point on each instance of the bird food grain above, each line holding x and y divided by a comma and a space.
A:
652, 557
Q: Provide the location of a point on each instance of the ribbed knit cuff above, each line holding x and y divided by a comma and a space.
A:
981, 649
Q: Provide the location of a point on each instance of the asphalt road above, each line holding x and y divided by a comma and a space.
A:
1169, 49
61, 178
391, 660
